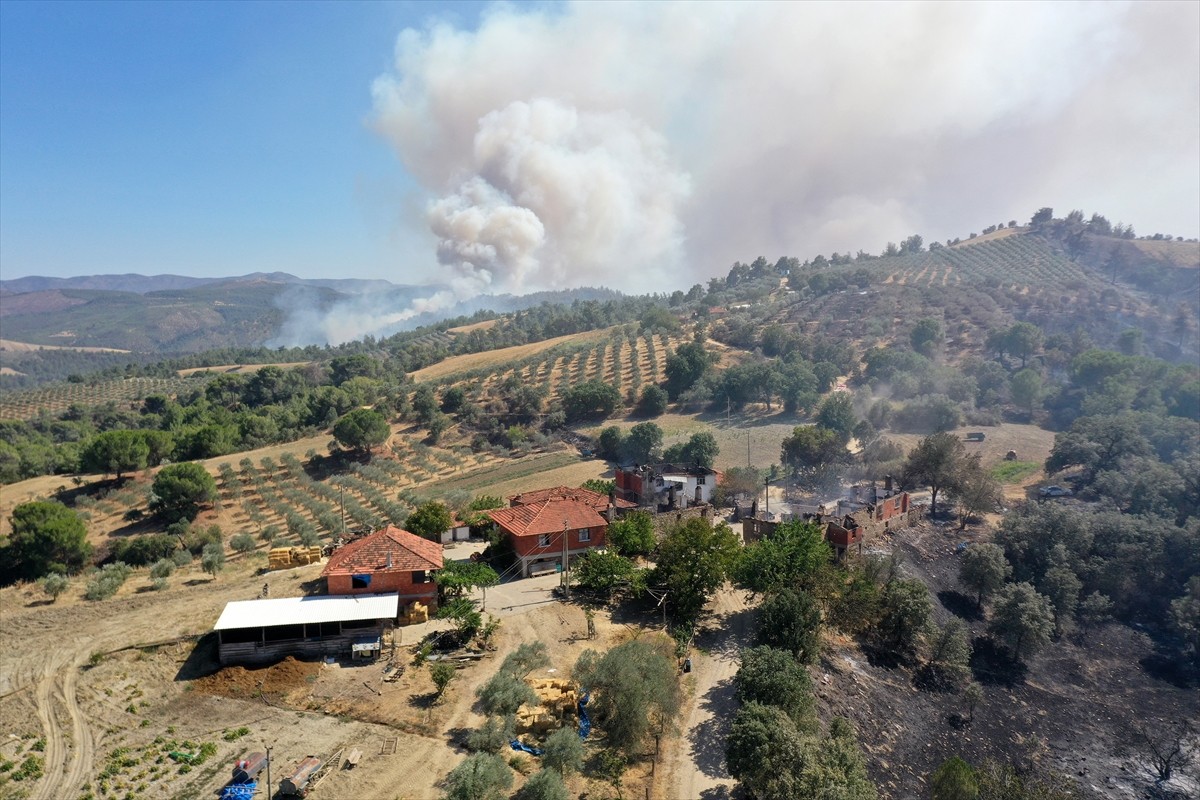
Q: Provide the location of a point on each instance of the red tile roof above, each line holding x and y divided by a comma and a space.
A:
597, 501
409, 552
547, 516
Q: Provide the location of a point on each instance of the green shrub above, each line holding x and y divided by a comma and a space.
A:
107, 581
138, 551
242, 542
55, 584
31, 769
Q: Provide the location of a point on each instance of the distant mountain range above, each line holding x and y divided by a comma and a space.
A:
144, 284
178, 314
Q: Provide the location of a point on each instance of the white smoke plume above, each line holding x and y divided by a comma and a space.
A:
646, 146
799, 128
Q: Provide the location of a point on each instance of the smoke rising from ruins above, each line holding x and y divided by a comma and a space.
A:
648, 146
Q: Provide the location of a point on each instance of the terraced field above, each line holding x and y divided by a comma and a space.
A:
59, 397
281, 502
626, 362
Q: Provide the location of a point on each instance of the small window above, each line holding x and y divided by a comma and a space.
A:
420, 576
360, 581
544, 540
585, 535
700, 480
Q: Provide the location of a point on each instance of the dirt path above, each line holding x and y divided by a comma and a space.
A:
697, 760
45, 648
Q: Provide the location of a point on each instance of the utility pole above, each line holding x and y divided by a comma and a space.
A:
747, 449
565, 563
342, 503
767, 490
269, 792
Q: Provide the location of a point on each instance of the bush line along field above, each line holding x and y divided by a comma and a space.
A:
55, 399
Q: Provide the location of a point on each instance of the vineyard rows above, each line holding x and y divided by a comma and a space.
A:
55, 399
1016, 260
628, 363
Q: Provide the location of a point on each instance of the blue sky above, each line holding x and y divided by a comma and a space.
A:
201, 138
547, 144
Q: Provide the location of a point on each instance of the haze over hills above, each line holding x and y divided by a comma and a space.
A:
143, 284
179, 314
273, 309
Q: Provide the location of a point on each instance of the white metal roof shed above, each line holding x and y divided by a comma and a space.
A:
313, 609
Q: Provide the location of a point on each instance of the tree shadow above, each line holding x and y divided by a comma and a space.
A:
148, 524
992, 665
930, 678
960, 605
203, 660
39, 603
198, 581
881, 654
457, 738
1168, 665
707, 740
957, 721
712, 634
423, 701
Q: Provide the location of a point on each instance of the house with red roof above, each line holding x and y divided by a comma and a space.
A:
600, 502
388, 560
539, 529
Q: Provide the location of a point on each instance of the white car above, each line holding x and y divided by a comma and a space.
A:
1054, 491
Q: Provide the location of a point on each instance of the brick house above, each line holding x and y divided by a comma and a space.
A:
388, 560
536, 530
599, 502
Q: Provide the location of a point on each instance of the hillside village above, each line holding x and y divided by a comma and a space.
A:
883, 512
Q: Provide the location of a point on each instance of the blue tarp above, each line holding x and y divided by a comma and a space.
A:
517, 744
239, 791
585, 723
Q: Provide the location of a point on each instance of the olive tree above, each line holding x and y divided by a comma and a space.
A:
481, 776
635, 685
563, 751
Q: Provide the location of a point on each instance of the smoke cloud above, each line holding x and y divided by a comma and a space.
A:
659, 142
646, 146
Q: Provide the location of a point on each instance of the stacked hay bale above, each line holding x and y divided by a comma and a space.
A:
414, 613
557, 699
306, 555
286, 557
279, 558
556, 694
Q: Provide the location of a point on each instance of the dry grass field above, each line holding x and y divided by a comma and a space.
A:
491, 358
123, 682
1180, 254
25, 347
240, 369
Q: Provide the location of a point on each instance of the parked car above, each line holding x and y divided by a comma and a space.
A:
1054, 491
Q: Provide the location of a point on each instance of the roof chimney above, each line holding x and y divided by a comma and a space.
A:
389, 564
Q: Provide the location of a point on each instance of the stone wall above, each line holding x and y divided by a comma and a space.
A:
665, 519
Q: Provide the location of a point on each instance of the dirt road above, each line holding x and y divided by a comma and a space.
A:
698, 759
45, 648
